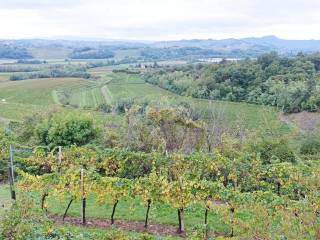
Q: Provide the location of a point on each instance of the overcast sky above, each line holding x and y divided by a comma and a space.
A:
159, 19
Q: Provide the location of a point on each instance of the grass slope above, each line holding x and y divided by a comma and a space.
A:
30, 96
27, 97
134, 210
5, 200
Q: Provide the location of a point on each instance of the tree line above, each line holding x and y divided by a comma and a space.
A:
291, 84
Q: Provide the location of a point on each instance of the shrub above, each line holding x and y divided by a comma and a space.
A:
103, 107
310, 144
123, 105
272, 149
25, 221
66, 129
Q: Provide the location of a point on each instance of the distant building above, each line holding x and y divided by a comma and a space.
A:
218, 60
143, 66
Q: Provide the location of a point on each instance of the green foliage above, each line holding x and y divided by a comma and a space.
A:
23, 221
249, 190
274, 150
310, 144
179, 53
123, 105
104, 107
55, 71
13, 52
91, 53
66, 129
291, 84
5, 139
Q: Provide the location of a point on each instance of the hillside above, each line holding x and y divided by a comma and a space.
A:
290, 84
150, 51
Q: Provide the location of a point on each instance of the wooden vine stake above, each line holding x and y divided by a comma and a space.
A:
11, 175
83, 210
59, 158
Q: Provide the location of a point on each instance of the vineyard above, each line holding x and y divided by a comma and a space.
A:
250, 199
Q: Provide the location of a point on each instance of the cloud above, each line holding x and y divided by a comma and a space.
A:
158, 20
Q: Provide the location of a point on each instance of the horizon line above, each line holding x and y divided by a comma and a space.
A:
101, 39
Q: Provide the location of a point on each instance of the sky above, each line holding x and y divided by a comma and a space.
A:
159, 19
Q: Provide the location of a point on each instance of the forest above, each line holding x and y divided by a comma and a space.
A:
290, 84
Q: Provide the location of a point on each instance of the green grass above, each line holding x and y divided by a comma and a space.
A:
5, 203
125, 86
128, 53
35, 91
5, 200
100, 233
87, 98
131, 86
4, 77
135, 211
30, 96
50, 53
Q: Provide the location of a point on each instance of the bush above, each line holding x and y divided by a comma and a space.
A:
310, 145
123, 105
103, 107
272, 149
22, 221
66, 129
25, 221
91, 53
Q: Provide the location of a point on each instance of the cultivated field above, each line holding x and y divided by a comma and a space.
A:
21, 98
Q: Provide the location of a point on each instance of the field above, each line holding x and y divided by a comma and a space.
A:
21, 98
4, 77
50, 53
107, 89
121, 54
5, 204
127, 211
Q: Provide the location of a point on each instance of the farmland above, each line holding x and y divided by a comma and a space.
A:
44, 94
125, 144
159, 120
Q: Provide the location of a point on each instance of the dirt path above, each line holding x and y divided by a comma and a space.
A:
5, 120
131, 226
106, 94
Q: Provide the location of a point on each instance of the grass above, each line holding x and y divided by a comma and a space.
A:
35, 91
125, 86
100, 233
16, 111
5, 200
30, 96
4, 77
134, 210
87, 98
5, 203
50, 53
127, 53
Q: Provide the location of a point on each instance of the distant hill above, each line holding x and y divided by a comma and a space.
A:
161, 50
285, 45
13, 52
267, 43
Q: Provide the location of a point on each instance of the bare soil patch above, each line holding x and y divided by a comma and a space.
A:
305, 121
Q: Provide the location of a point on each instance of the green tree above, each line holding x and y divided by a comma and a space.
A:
66, 129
